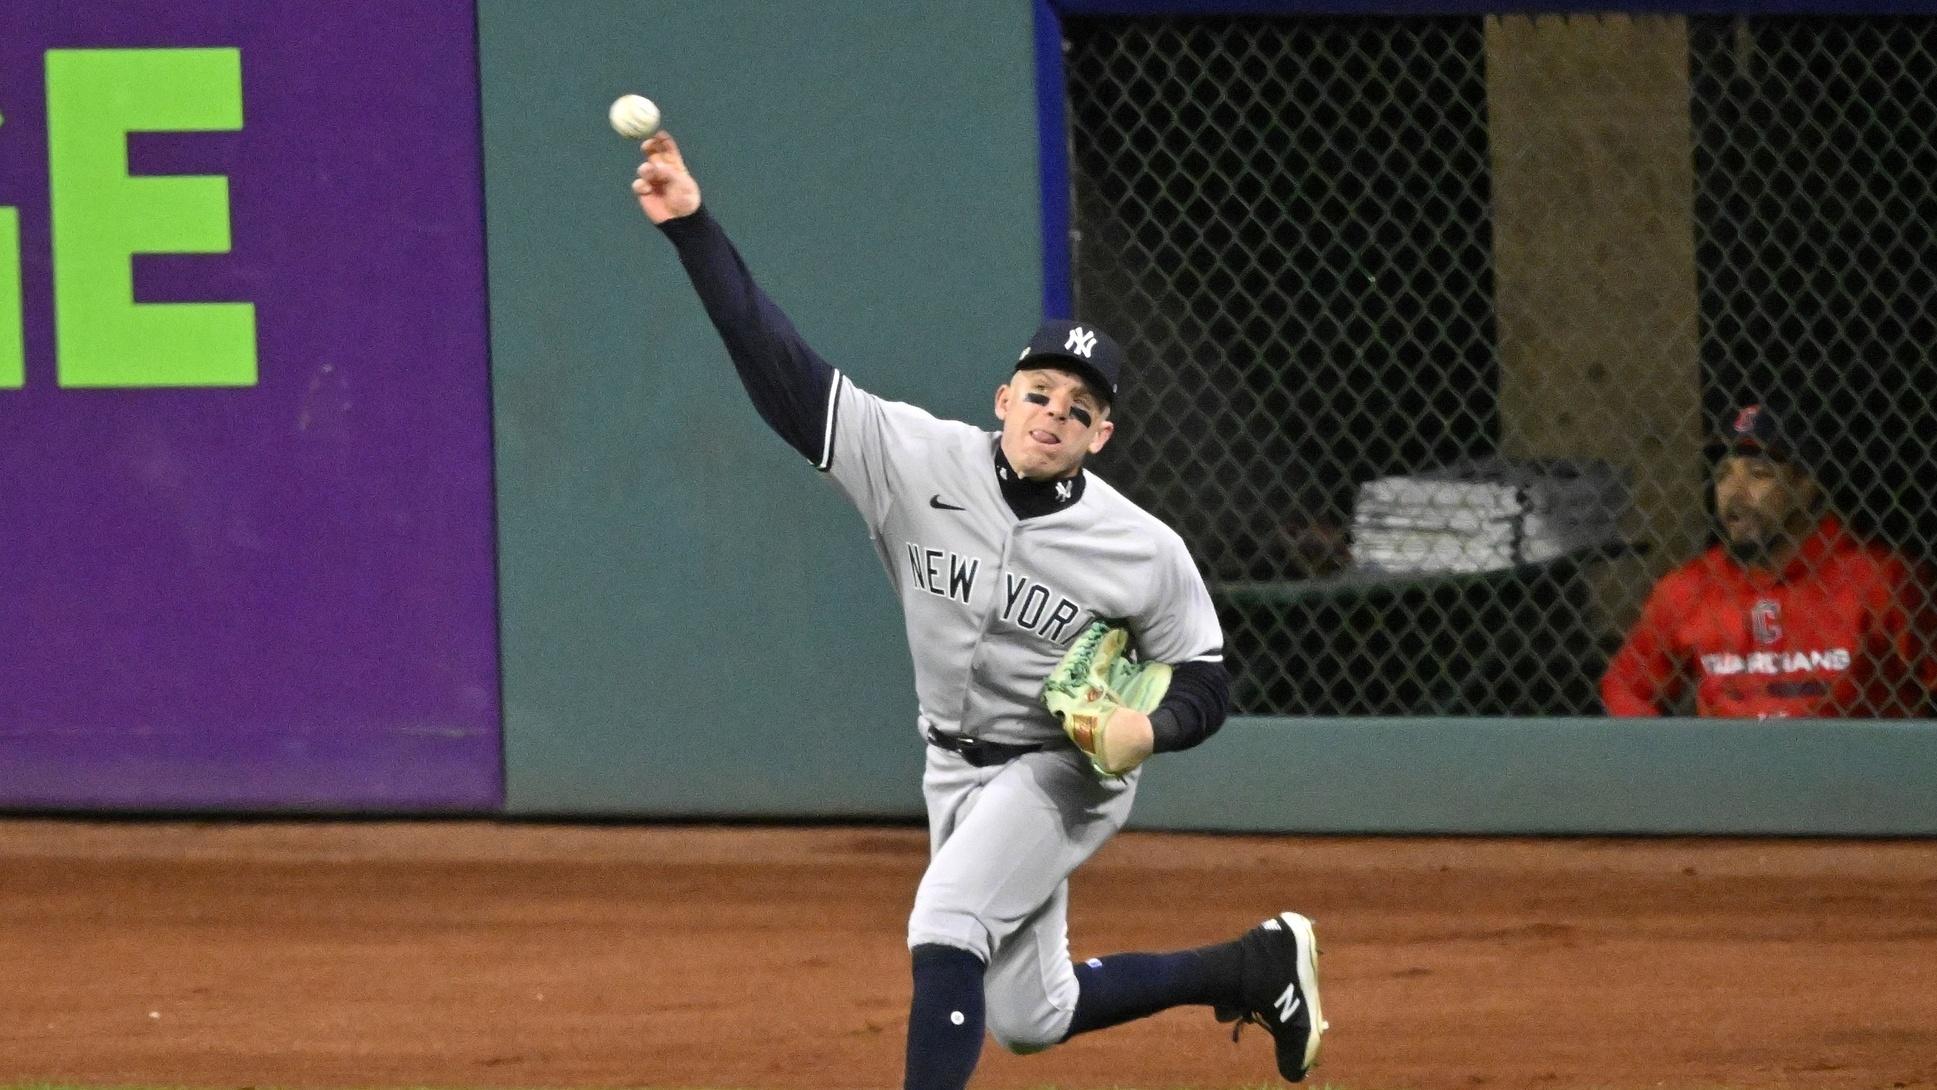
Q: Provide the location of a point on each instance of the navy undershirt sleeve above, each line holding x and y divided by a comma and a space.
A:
788, 381
1194, 706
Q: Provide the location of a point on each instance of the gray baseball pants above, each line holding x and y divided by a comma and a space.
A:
1003, 841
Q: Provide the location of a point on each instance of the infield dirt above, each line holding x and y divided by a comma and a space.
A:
478, 954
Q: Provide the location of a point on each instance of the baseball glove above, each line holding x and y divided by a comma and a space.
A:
1095, 678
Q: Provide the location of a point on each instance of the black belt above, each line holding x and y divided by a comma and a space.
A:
977, 752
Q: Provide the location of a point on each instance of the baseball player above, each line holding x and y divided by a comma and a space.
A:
1790, 615
1001, 549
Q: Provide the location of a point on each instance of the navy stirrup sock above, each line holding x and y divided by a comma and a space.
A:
1123, 987
945, 1019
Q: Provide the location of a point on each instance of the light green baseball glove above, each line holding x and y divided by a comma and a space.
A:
1095, 678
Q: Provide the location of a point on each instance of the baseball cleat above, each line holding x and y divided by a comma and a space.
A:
1280, 991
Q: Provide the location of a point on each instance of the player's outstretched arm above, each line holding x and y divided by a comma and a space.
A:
789, 383
665, 188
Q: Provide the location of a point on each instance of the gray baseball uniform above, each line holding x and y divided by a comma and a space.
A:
997, 575
991, 602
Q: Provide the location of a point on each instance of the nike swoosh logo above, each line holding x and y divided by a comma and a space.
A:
935, 501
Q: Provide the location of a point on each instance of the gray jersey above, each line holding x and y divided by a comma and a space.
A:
992, 600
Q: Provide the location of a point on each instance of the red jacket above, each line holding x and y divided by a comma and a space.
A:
1846, 630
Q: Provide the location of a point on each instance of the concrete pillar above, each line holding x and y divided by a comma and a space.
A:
1593, 195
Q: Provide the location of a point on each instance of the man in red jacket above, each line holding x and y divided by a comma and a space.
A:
1791, 615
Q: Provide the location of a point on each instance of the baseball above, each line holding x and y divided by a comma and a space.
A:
634, 117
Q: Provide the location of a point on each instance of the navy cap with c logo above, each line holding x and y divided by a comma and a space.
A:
1757, 428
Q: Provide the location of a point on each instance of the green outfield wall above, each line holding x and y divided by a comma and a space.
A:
693, 619
1561, 776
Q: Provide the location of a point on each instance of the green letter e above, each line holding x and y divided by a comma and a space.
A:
102, 216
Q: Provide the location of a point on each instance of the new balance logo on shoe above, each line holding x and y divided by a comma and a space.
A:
1280, 991
1288, 1003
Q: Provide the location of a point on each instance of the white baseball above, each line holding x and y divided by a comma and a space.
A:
634, 117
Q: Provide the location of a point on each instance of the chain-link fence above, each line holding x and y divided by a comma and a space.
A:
1442, 324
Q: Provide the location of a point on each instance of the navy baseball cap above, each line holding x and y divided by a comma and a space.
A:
1078, 347
1759, 429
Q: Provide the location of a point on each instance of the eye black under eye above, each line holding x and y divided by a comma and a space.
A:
1035, 398
1080, 415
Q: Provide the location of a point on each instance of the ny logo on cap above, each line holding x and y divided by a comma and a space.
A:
1081, 341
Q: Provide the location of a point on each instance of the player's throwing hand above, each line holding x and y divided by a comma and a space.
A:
665, 188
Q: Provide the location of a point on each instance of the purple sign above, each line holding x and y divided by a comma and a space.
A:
246, 553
